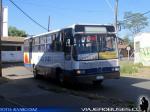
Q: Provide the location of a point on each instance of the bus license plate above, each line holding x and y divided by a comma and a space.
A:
99, 77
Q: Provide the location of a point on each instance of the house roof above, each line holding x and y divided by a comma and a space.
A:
12, 40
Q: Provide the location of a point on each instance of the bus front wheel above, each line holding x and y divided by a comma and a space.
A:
60, 78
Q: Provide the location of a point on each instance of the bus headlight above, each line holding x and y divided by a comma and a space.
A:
117, 69
113, 69
80, 71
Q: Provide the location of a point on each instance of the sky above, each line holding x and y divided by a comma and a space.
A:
67, 12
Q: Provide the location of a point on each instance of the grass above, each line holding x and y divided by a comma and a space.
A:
128, 67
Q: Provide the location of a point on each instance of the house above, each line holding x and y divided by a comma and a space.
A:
12, 49
142, 48
122, 47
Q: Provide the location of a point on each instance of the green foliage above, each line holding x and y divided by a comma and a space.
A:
139, 65
13, 31
129, 67
132, 44
126, 39
135, 22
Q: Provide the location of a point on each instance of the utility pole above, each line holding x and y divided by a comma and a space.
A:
116, 16
116, 23
1, 23
48, 24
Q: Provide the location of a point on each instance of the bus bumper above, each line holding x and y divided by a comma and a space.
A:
91, 78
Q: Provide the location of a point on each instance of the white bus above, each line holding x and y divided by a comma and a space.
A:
84, 53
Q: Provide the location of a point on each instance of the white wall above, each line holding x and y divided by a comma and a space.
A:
12, 56
143, 56
5, 21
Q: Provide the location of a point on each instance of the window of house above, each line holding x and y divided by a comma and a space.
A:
12, 48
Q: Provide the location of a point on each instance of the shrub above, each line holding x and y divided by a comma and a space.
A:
129, 67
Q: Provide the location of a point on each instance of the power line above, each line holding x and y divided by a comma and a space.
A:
28, 15
56, 7
110, 6
135, 16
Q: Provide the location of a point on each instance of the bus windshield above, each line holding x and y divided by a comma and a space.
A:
94, 44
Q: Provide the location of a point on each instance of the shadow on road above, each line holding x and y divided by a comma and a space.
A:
118, 92
125, 88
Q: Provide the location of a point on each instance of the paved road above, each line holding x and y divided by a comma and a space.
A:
126, 88
27, 91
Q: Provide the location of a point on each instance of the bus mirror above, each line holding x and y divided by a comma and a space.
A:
119, 26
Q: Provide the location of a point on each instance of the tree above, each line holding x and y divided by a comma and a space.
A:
135, 22
126, 39
13, 31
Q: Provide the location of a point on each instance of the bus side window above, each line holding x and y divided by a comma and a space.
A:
26, 46
30, 45
53, 42
58, 42
48, 43
67, 49
67, 46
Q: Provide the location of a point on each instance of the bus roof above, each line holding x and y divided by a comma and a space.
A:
88, 24
72, 26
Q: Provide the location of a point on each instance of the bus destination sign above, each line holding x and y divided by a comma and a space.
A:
95, 29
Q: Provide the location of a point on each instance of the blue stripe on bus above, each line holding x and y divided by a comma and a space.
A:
94, 71
100, 70
91, 71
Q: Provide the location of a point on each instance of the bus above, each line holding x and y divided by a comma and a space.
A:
81, 52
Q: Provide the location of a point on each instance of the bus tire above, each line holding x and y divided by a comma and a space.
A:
97, 83
61, 79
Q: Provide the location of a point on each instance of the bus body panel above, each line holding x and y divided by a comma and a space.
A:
95, 64
48, 59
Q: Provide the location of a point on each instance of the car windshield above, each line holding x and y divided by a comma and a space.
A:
94, 43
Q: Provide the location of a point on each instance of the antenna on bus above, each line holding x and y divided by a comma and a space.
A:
48, 24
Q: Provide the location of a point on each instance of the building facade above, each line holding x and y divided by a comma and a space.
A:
5, 22
12, 49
